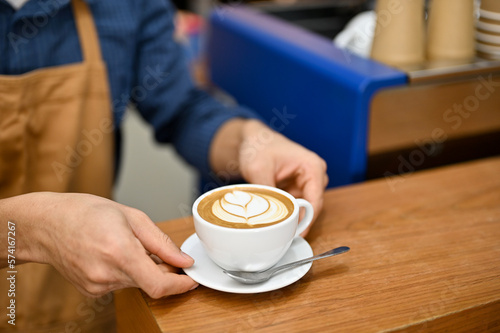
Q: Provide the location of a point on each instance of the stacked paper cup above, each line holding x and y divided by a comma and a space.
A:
488, 30
399, 34
450, 31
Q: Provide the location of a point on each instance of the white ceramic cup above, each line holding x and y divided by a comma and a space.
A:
252, 249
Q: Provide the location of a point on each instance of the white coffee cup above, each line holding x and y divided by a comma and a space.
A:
251, 249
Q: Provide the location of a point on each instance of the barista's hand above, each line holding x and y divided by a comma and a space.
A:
249, 149
267, 157
100, 245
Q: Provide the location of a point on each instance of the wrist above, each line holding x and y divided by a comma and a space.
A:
256, 137
20, 220
252, 128
236, 142
225, 148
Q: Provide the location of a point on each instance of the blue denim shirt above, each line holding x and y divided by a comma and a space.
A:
145, 65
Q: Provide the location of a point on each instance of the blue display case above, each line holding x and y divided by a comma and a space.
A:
300, 83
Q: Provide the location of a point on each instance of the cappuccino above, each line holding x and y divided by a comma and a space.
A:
245, 207
249, 227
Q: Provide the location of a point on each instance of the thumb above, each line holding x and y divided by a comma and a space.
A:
158, 243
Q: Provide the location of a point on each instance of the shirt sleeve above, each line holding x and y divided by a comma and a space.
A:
165, 95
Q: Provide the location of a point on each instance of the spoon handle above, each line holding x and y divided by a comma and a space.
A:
327, 254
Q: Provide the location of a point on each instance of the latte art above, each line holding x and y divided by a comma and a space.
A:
244, 207
250, 208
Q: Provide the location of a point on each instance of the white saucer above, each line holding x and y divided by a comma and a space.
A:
207, 273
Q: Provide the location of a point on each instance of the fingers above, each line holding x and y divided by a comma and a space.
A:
314, 182
154, 269
166, 268
157, 242
313, 192
260, 172
306, 179
158, 280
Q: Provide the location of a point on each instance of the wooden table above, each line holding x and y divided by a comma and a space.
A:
425, 256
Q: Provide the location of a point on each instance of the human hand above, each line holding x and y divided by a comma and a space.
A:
267, 157
100, 245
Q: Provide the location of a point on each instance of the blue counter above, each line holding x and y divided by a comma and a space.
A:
303, 86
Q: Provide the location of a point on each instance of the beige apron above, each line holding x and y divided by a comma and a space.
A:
56, 134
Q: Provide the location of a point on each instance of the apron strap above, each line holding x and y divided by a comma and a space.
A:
87, 33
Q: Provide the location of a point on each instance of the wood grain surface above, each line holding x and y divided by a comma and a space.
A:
425, 257
412, 115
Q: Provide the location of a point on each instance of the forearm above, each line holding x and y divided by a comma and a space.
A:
97, 244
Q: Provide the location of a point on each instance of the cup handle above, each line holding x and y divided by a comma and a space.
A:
307, 219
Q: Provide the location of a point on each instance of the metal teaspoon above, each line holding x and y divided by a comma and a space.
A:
262, 276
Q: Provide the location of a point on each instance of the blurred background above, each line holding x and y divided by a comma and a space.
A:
171, 195
395, 105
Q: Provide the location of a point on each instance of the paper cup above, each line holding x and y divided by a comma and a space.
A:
487, 38
488, 56
488, 27
496, 34
451, 30
495, 16
488, 48
490, 5
399, 33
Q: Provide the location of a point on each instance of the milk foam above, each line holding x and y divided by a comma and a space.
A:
250, 208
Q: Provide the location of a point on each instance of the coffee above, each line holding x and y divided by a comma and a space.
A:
245, 207
249, 227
